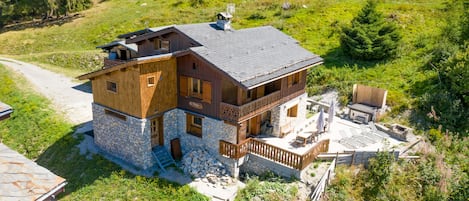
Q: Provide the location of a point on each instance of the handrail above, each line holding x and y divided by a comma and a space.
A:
277, 154
237, 113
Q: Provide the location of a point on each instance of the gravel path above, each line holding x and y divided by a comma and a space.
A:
71, 98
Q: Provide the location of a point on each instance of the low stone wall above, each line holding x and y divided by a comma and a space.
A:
395, 131
127, 139
259, 165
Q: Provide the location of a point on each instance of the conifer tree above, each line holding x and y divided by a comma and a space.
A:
370, 36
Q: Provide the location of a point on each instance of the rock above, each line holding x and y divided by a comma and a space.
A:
206, 168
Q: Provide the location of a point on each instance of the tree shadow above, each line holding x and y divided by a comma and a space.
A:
19, 26
336, 57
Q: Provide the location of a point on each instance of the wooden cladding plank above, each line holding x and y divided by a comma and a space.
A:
183, 83
207, 92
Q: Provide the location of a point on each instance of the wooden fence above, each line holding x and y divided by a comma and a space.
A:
320, 188
273, 153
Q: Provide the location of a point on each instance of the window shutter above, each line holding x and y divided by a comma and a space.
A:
300, 76
290, 80
207, 92
183, 86
188, 123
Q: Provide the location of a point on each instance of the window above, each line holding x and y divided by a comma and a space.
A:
157, 43
111, 86
115, 114
196, 88
151, 81
294, 79
293, 111
194, 125
164, 45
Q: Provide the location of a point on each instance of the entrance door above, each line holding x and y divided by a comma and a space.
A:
157, 131
254, 125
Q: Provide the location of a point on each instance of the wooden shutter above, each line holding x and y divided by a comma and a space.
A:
207, 91
183, 86
300, 77
290, 80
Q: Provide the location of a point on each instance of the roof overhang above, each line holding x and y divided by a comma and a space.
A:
5, 111
304, 67
141, 60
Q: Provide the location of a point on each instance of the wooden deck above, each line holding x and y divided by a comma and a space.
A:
277, 154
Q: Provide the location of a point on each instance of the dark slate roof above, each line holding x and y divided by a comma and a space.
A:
5, 110
132, 46
250, 56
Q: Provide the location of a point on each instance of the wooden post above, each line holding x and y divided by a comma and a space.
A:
353, 158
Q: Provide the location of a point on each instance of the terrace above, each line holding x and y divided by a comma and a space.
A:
341, 136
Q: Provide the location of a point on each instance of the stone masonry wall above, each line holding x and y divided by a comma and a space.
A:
279, 114
127, 139
213, 131
259, 165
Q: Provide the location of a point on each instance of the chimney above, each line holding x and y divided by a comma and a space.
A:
224, 18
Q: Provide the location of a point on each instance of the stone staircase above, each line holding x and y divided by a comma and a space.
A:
162, 157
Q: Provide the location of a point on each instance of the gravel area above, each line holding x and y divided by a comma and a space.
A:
71, 98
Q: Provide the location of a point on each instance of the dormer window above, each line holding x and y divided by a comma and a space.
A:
161, 45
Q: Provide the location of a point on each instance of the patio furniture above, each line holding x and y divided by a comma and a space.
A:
304, 138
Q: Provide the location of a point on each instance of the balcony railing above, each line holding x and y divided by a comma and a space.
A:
240, 113
273, 153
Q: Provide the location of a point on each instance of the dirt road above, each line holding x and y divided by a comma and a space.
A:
71, 98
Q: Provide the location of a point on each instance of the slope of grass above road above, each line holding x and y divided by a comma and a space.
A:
39, 133
315, 24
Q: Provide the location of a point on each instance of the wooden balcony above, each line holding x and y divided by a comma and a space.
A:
235, 113
273, 153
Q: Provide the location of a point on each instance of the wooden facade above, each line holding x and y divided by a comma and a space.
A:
191, 67
144, 101
161, 95
176, 41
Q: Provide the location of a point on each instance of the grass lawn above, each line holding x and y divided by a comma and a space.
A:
315, 24
40, 134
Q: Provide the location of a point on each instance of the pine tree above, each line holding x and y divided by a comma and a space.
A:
370, 36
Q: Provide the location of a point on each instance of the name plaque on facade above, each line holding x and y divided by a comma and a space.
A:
196, 105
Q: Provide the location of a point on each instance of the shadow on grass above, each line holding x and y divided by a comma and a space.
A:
337, 58
103, 178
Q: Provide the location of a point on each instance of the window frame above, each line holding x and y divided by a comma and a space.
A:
109, 87
149, 84
198, 91
192, 127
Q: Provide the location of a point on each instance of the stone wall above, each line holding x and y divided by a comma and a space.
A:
279, 114
127, 139
213, 131
259, 165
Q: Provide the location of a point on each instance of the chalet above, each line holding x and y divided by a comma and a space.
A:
176, 88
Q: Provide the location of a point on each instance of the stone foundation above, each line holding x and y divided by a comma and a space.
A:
213, 131
127, 139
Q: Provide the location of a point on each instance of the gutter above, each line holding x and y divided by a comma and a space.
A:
55, 191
